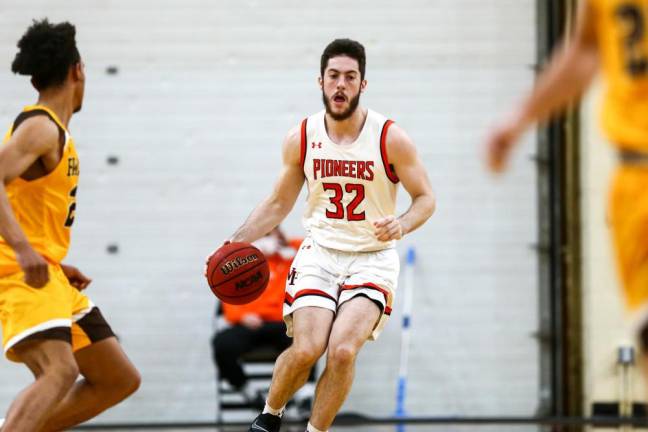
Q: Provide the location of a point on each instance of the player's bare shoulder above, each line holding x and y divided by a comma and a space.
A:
37, 135
291, 148
400, 147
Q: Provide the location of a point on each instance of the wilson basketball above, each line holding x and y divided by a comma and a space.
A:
237, 273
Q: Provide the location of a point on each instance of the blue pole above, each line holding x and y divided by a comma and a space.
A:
401, 389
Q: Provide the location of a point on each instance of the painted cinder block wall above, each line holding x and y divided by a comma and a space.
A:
195, 114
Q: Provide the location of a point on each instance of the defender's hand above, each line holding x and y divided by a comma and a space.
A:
77, 279
34, 266
388, 228
499, 145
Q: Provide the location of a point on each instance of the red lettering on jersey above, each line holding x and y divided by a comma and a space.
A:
369, 167
345, 168
361, 170
323, 168
336, 168
328, 168
317, 163
352, 169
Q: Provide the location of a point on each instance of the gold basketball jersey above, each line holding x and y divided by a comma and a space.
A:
622, 28
44, 207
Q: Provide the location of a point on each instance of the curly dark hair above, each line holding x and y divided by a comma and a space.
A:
46, 52
344, 47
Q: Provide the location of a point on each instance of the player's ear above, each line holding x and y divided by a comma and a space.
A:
320, 81
363, 85
78, 71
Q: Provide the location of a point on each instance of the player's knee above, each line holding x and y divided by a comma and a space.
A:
306, 355
342, 355
129, 383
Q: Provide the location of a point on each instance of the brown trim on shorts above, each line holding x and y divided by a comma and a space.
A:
95, 326
55, 333
633, 157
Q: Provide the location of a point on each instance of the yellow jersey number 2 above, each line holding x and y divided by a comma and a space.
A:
633, 20
71, 209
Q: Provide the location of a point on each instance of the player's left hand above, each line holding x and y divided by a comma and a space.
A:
77, 279
388, 228
500, 144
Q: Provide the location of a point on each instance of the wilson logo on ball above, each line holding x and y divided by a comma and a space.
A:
234, 264
249, 281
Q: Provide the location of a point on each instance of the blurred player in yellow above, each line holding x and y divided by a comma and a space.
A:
47, 323
611, 35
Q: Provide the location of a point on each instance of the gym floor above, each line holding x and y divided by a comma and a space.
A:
376, 428
418, 428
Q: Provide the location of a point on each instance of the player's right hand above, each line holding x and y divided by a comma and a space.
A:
34, 266
499, 145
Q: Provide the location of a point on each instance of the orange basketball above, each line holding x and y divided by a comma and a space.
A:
237, 273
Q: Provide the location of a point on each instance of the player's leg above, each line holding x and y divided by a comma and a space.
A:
311, 329
628, 217
353, 325
309, 310
108, 378
55, 370
641, 280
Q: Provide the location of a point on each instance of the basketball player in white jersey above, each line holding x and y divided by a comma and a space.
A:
340, 290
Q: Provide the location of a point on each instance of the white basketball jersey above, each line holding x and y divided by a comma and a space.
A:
349, 186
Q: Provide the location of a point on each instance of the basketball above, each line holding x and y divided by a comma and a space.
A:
237, 273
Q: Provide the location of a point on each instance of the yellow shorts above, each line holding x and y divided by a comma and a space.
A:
628, 212
55, 311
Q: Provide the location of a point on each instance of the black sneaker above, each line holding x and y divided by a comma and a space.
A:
266, 423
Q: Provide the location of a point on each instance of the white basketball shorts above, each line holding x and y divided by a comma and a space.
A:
327, 278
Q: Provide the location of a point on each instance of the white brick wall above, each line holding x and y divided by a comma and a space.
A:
204, 94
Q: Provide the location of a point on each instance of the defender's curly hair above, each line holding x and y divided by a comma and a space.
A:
46, 52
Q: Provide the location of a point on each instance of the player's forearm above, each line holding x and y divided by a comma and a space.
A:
421, 210
563, 82
10, 230
262, 220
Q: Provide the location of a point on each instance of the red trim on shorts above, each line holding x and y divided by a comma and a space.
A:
302, 155
383, 153
289, 300
370, 285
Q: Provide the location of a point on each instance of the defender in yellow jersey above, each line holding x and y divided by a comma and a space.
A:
610, 34
47, 322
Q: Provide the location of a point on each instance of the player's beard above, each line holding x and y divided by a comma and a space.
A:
353, 105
